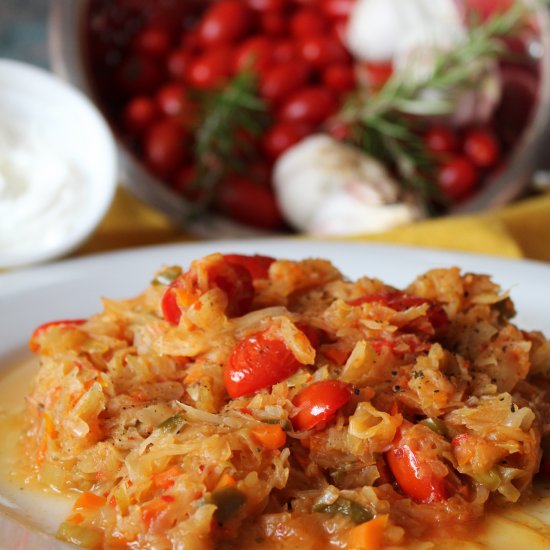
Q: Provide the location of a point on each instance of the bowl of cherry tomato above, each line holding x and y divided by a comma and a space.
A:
205, 96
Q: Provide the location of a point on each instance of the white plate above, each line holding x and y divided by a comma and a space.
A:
72, 289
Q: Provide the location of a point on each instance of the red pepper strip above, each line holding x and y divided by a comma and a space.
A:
34, 346
257, 266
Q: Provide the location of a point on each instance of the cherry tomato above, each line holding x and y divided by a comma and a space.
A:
273, 23
185, 183
278, 81
377, 74
441, 139
481, 147
153, 41
139, 113
233, 279
400, 301
224, 22
177, 63
310, 105
484, 9
283, 135
165, 147
337, 9
266, 5
34, 346
211, 69
247, 202
320, 51
254, 53
257, 362
457, 178
285, 51
413, 472
339, 77
319, 402
139, 74
257, 265
307, 22
171, 99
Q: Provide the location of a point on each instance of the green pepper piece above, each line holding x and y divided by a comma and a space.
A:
357, 513
172, 424
229, 501
79, 535
436, 425
167, 275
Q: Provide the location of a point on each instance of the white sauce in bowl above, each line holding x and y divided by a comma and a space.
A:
41, 190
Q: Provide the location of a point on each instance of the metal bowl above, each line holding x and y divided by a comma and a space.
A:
67, 20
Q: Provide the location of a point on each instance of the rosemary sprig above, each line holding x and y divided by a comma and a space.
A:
386, 124
230, 120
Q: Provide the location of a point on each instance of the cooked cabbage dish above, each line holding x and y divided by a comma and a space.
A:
247, 402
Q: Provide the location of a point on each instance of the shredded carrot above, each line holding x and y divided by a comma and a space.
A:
165, 479
225, 481
151, 510
88, 501
270, 436
368, 535
49, 426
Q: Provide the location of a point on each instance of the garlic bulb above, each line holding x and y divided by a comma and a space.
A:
325, 187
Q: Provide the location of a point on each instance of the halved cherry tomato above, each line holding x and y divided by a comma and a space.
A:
234, 279
414, 474
399, 301
223, 22
319, 402
257, 265
34, 346
258, 362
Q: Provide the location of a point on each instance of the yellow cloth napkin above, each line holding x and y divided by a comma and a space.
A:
519, 230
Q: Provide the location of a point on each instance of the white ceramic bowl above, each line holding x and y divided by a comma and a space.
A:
57, 130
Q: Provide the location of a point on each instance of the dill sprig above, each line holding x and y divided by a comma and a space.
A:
386, 124
230, 121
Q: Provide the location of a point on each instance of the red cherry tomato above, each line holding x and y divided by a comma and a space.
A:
307, 22
152, 41
283, 135
484, 9
139, 74
457, 178
339, 77
247, 202
284, 51
320, 51
377, 74
441, 139
234, 279
273, 23
211, 69
255, 54
278, 81
139, 113
337, 9
413, 472
224, 22
258, 362
310, 105
481, 147
257, 265
266, 5
185, 183
165, 147
171, 99
177, 63
319, 402
34, 346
